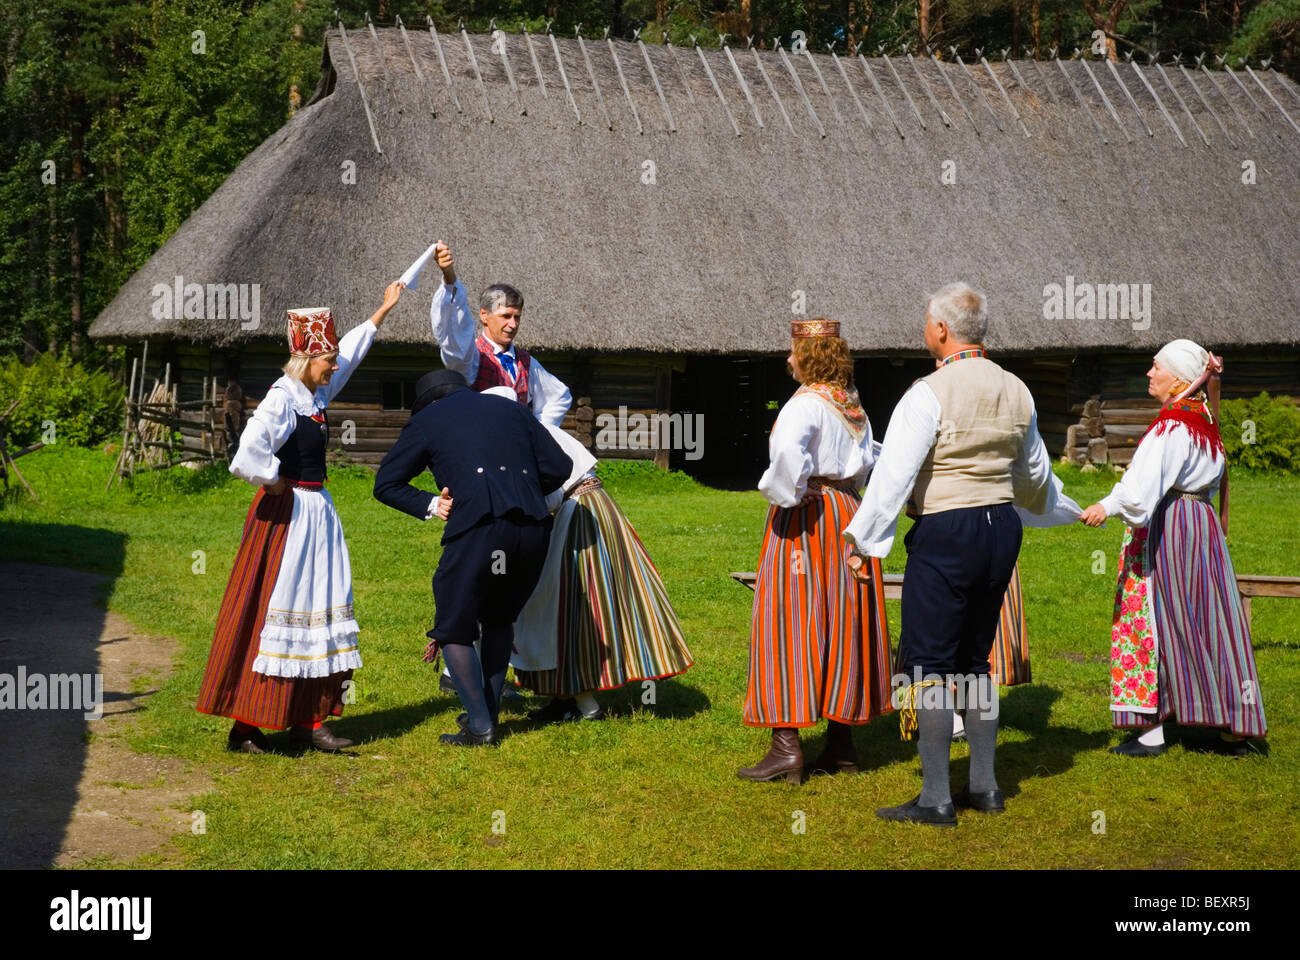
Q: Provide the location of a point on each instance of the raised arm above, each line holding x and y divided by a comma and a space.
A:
356, 344
452, 322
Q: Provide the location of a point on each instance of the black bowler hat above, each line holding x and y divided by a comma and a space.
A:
434, 386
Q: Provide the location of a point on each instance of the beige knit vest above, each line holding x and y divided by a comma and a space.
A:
985, 414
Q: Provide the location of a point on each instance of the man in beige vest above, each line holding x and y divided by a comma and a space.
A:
962, 450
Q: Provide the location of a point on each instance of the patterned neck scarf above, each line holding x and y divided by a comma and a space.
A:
844, 401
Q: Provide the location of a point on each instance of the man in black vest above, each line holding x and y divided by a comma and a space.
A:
496, 462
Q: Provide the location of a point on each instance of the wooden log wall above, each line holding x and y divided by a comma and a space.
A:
1118, 410
640, 384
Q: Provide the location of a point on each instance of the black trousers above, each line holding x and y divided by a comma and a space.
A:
486, 575
959, 563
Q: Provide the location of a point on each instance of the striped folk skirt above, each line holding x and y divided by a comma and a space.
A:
1009, 660
819, 639
615, 623
230, 688
1199, 637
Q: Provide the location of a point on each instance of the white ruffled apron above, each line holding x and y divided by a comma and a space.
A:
310, 630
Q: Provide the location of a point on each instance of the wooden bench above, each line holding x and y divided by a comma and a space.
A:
1250, 586
1265, 587
893, 583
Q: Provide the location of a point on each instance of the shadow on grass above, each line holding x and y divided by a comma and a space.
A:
1049, 751
674, 701
52, 622
394, 722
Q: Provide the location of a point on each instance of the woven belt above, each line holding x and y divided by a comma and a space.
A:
591, 483
1185, 495
818, 484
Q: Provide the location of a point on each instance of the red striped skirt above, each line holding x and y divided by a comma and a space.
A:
819, 641
230, 688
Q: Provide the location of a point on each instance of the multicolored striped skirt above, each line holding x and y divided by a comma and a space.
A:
230, 688
1009, 659
819, 640
616, 624
1205, 666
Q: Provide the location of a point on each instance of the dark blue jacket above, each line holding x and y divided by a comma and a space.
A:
487, 451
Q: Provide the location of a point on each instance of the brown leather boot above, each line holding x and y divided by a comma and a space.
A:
785, 759
838, 755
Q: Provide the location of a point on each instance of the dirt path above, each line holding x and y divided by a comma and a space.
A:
72, 790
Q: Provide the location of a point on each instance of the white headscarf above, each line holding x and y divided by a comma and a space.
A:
1185, 359
1189, 362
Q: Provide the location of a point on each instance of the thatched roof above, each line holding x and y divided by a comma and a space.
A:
843, 201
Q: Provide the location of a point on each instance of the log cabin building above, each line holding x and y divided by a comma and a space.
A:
666, 210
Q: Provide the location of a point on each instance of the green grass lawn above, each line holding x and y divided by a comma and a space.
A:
655, 785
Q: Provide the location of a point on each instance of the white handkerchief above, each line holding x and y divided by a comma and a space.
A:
411, 278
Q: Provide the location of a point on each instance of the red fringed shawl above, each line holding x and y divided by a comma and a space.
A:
1193, 415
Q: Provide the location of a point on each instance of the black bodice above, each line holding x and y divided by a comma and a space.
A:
303, 455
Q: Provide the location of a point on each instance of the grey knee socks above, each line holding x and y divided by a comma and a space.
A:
982, 732
933, 742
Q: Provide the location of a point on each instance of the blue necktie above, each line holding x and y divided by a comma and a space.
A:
508, 362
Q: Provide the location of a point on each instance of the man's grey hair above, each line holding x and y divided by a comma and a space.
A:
962, 308
501, 295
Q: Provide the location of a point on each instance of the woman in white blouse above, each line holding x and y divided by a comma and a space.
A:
819, 642
286, 637
1180, 641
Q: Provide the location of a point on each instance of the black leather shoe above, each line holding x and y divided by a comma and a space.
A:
468, 738
1133, 748
319, 739
445, 684
943, 815
989, 801
559, 710
1242, 747
254, 742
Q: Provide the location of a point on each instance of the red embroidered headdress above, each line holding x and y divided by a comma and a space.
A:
311, 332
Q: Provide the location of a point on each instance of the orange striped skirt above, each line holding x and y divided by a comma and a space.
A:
1009, 660
230, 688
819, 640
